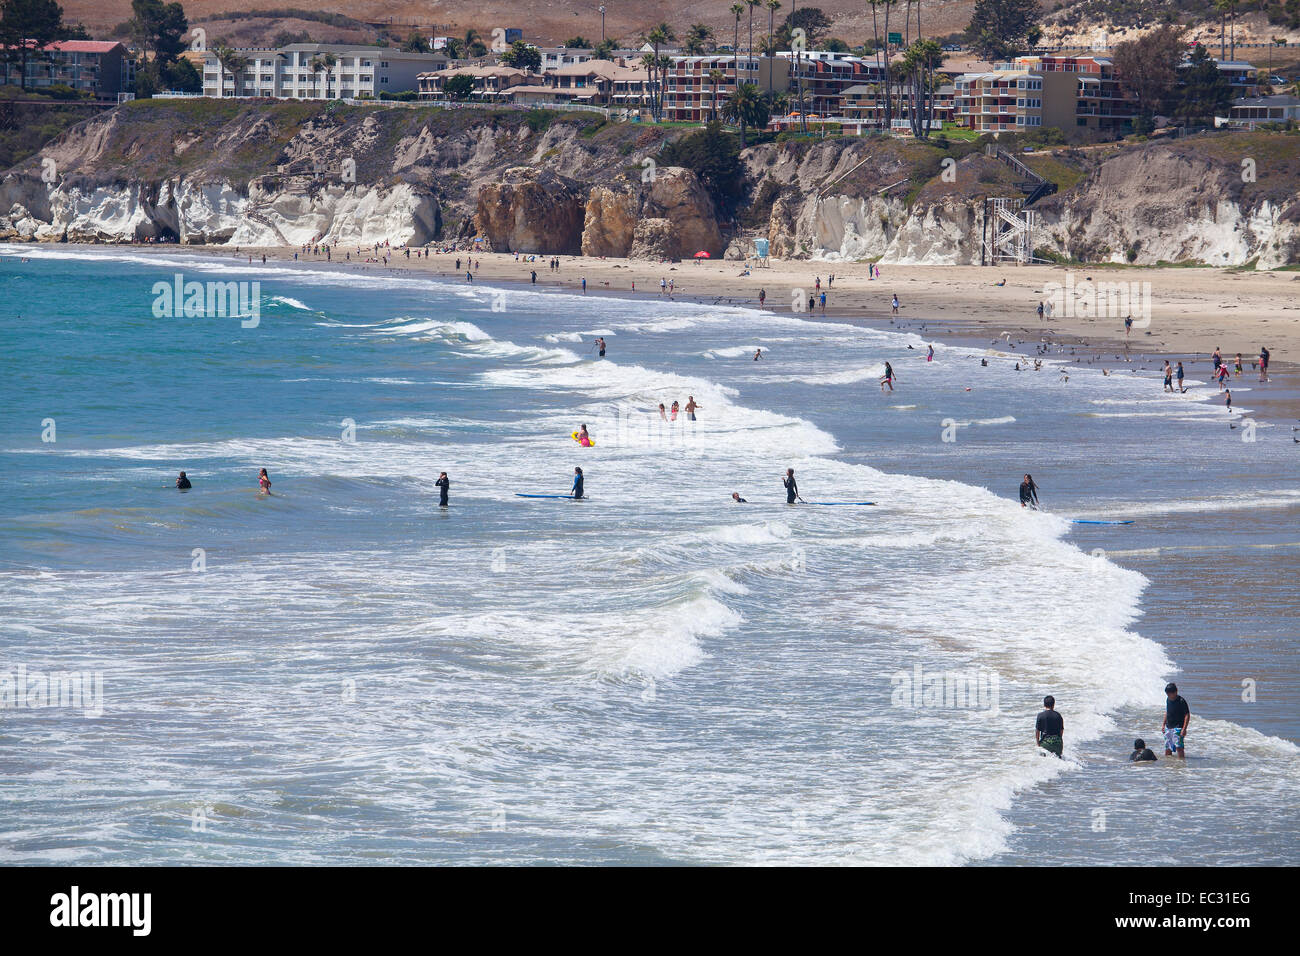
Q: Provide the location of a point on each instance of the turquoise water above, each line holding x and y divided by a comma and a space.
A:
342, 672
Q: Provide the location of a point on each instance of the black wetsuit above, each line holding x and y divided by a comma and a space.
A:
1029, 494
182, 483
577, 486
442, 484
791, 490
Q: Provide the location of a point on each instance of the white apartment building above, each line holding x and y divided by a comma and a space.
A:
357, 72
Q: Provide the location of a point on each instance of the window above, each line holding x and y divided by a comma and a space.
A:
383, 64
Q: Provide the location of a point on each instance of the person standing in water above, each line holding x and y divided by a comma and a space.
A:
674, 410
1179, 374
1177, 716
1028, 493
600, 344
690, 407
1263, 364
1169, 377
182, 482
762, 297
577, 483
583, 438
888, 379
929, 356
264, 482
758, 354
791, 489
1049, 728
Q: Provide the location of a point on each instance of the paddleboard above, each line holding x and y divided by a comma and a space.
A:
519, 494
839, 502
1086, 521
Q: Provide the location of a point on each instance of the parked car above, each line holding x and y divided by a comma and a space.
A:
951, 48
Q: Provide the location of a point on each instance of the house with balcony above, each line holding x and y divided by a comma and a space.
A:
1006, 99
297, 71
492, 84
97, 68
691, 91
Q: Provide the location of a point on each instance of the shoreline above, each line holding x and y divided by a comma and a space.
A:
962, 305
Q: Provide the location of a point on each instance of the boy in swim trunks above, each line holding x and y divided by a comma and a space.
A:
1177, 716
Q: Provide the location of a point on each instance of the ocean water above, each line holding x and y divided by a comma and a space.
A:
341, 672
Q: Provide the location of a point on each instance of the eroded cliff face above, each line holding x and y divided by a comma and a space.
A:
300, 173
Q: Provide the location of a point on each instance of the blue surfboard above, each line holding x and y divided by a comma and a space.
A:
839, 502
1086, 521
522, 495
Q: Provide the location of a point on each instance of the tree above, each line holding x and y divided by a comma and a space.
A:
920, 61
473, 45
26, 27
578, 43
657, 37
522, 57
812, 21
715, 78
749, 54
746, 107
1147, 70
228, 61
772, 46
458, 87
699, 39
452, 48
1000, 29
712, 154
1205, 92
158, 27
605, 50
317, 68
416, 44
181, 75
737, 11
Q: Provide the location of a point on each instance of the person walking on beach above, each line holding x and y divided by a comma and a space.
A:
534, 276
1029, 493
895, 304
1177, 716
264, 482
690, 407
888, 379
1227, 399
1263, 364
584, 285
1128, 326
1169, 377
791, 489
442, 484
663, 286
762, 297
1049, 728
1238, 365
577, 483
1179, 373
822, 300
1040, 311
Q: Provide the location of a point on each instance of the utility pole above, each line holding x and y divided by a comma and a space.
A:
602, 24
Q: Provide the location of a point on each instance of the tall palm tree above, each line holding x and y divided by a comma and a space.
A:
715, 77
228, 61
317, 67
698, 39
657, 37
328, 62
737, 10
772, 7
741, 106
751, 4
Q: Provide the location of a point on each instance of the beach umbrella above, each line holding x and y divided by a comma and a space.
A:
701, 254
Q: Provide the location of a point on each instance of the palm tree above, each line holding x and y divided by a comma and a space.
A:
715, 77
328, 62
657, 37
742, 105
737, 9
317, 67
227, 62
452, 48
772, 7
473, 44
698, 39
751, 4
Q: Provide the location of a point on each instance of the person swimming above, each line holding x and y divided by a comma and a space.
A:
735, 496
182, 482
264, 482
577, 483
1140, 752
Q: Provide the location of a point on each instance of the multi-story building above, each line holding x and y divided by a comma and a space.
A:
863, 106
1250, 111
1008, 99
1084, 91
298, 71
491, 83
98, 68
690, 90
824, 76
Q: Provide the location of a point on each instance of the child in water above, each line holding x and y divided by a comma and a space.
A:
674, 411
264, 482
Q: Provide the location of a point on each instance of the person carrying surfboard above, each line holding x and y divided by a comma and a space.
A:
791, 489
577, 483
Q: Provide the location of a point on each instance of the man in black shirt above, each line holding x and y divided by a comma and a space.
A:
442, 484
1140, 751
1177, 716
1049, 728
1028, 493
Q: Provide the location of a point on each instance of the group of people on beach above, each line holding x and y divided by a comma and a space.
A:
1049, 728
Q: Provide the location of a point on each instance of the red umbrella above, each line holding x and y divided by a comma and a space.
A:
701, 254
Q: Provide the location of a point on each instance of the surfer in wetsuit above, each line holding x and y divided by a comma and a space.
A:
182, 482
735, 496
442, 484
577, 483
791, 489
1028, 493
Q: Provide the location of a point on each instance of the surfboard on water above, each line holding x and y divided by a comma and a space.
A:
520, 494
1088, 521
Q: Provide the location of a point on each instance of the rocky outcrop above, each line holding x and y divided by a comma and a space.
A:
610, 221
533, 210
669, 217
